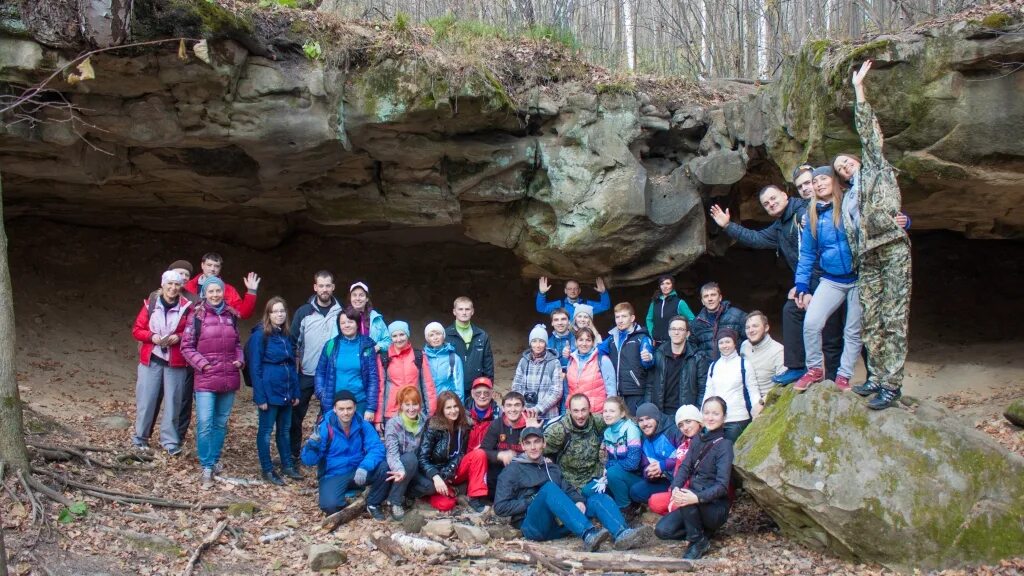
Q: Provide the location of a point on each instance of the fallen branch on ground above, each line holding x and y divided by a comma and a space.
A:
388, 547
347, 514
53, 451
127, 497
206, 543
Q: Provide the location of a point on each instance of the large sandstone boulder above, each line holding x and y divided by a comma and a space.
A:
907, 489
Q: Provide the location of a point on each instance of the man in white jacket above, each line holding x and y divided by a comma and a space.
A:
763, 354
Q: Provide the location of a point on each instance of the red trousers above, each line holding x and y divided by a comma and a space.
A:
472, 471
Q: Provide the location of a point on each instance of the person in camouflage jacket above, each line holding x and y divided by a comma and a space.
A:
574, 442
881, 250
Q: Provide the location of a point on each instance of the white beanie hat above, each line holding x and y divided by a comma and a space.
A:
538, 333
688, 412
431, 327
583, 309
170, 276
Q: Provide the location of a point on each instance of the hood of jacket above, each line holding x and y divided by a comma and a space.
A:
443, 351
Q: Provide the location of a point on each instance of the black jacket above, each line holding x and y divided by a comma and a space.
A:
707, 469
704, 328
477, 358
501, 436
437, 457
630, 375
693, 377
519, 483
783, 236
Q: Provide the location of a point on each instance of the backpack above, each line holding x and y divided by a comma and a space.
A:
247, 373
417, 360
743, 375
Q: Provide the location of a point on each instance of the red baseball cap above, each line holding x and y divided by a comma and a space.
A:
483, 381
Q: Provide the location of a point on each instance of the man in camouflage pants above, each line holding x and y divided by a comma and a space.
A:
881, 250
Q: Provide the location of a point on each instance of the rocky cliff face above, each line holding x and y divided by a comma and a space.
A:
576, 179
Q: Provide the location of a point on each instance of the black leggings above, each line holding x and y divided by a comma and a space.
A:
691, 522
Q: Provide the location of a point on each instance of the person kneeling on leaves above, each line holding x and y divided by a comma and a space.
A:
347, 451
541, 503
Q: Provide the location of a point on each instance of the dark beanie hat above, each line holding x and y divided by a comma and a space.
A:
649, 410
183, 264
800, 170
345, 395
824, 171
728, 333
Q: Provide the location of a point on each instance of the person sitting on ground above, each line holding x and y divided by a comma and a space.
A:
572, 297
538, 376
347, 450
658, 458
446, 461
623, 448
502, 441
349, 362
211, 345
539, 500
680, 370
589, 372
665, 305
211, 264
370, 323
275, 388
562, 340
574, 441
730, 378
697, 511
631, 351
401, 366
472, 345
583, 317
482, 410
689, 421
764, 356
159, 326
824, 244
716, 315
402, 437
445, 365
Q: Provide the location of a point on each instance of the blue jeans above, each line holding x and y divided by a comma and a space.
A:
278, 418
619, 483
334, 488
642, 491
734, 429
552, 503
212, 412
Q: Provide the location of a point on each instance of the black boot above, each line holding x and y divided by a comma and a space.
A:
867, 388
593, 538
696, 549
886, 398
292, 473
273, 478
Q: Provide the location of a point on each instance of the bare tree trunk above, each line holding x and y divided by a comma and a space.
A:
629, 31
12, 436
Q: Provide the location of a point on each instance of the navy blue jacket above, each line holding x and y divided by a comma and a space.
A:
783, 235
630, 370
326, 372
275, 379
704, 328
477, 358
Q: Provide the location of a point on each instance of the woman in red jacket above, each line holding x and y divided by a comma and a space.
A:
161, 366
401, 366
212, 347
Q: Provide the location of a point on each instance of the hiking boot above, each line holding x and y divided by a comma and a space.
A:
789, 376
868, 388
631, 538
478, 505
696, 549
375, 512
843, 383
217, 469
886, 398
273, 478
207, 478
174, 450
292, 473
813, 376
397, 512
593, 538
632, 513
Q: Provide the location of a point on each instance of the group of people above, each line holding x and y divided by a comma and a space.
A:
594, 426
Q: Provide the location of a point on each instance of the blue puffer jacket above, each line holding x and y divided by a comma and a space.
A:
661, 447
342, 453
445, 368
326, 376
556, 343
829, 249
275, 379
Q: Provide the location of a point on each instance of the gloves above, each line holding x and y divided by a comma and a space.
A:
601, 484
360, 478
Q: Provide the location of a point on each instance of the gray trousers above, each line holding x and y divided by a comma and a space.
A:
154, 381
828, 297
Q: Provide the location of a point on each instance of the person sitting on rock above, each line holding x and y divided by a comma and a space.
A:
574, 441
212, 263
539, 376
659, 452
665, 305
545, 506
680, 370
689, 421
700, 502
400, 366
729, 377
764, 356
445, 365
446, 461
716, 315
482, 410
402, 437
572, 297
502, 441
631, 351
348, 452
583, 317
589, 372
623, 449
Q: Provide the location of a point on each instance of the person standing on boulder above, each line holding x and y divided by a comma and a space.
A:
665, 305
717, 314
212, 264
572, 297
472, 344
881, 251
632, 354
680, 371
371, 323
314, 324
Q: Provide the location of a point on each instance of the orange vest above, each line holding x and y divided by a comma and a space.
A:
587, 381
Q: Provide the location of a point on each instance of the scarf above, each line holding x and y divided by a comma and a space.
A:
411, 425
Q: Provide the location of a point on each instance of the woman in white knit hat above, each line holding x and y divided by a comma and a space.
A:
690, 421
445, 364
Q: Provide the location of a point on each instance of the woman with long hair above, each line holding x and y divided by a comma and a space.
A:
824, 245
275, 387
589, 372
348, 362
445, 460
583, 317
370, 321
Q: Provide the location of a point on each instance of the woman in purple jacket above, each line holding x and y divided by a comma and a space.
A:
212, 347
